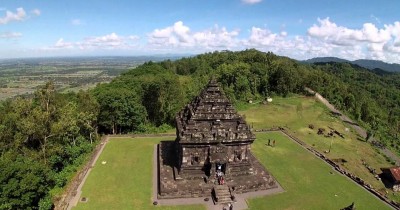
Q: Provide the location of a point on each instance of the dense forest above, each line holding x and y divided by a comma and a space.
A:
46, 137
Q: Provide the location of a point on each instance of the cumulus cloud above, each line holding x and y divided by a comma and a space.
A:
180, 36
109, 41
378, 43
62, 44
10, 35
251, 1
324, 38
340, 35
19, 15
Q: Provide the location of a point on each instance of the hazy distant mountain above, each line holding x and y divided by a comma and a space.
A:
369, 64
326, 60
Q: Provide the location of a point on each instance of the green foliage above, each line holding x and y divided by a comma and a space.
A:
56, 130
43, 141
150, 128
46, 203
120, 109
23, 182
369, 97
165, 87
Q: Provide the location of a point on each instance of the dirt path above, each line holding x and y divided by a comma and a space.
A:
361, 131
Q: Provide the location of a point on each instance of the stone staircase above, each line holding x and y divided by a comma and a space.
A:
239, 169
192, 172
222, 194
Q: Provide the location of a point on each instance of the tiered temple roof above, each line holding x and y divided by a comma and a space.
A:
211, 118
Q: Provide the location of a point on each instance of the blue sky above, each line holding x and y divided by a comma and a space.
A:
351, 29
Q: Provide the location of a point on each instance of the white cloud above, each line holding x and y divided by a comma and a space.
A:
109, 41
325, 38
10, 35
76, 22
36, 12
263, 37
376, 43
180, 36
251, 1
61, 44
217, 37
340, 35
10, 16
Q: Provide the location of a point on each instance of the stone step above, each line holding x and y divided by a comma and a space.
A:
222, 194
225, 200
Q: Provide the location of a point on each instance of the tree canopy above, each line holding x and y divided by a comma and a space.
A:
48, 135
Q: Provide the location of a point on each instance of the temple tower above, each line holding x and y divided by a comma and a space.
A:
212, 136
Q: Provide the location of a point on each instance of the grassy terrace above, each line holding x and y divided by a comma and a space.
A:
124, 182
308, 181
296, 113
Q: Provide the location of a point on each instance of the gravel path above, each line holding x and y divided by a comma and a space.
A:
361, 131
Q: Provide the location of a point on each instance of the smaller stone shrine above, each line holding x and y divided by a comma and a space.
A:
211, 153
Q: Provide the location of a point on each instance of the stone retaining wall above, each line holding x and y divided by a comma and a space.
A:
71, 190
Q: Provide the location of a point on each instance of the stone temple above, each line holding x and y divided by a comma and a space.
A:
212, 152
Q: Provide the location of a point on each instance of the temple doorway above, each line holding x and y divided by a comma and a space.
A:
220, 167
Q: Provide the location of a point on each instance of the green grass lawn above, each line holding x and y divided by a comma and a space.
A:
125, 181
309, 183
296, 113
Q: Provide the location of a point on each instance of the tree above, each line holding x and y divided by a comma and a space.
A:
23, 182
120, 109
42, 117
162, 98
89, 109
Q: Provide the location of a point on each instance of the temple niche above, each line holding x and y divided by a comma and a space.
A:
211, 153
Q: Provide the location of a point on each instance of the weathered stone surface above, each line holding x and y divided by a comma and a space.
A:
210, 131
213, 141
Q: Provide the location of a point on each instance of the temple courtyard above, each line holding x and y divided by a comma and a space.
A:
215, 160
122, 178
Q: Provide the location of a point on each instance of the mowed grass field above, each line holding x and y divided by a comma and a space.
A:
125, 181
296, 113
309, 183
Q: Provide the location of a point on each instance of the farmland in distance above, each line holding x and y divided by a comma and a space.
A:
24, 76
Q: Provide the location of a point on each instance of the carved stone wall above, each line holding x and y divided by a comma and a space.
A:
209, 130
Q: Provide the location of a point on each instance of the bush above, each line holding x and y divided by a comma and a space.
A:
150, 128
